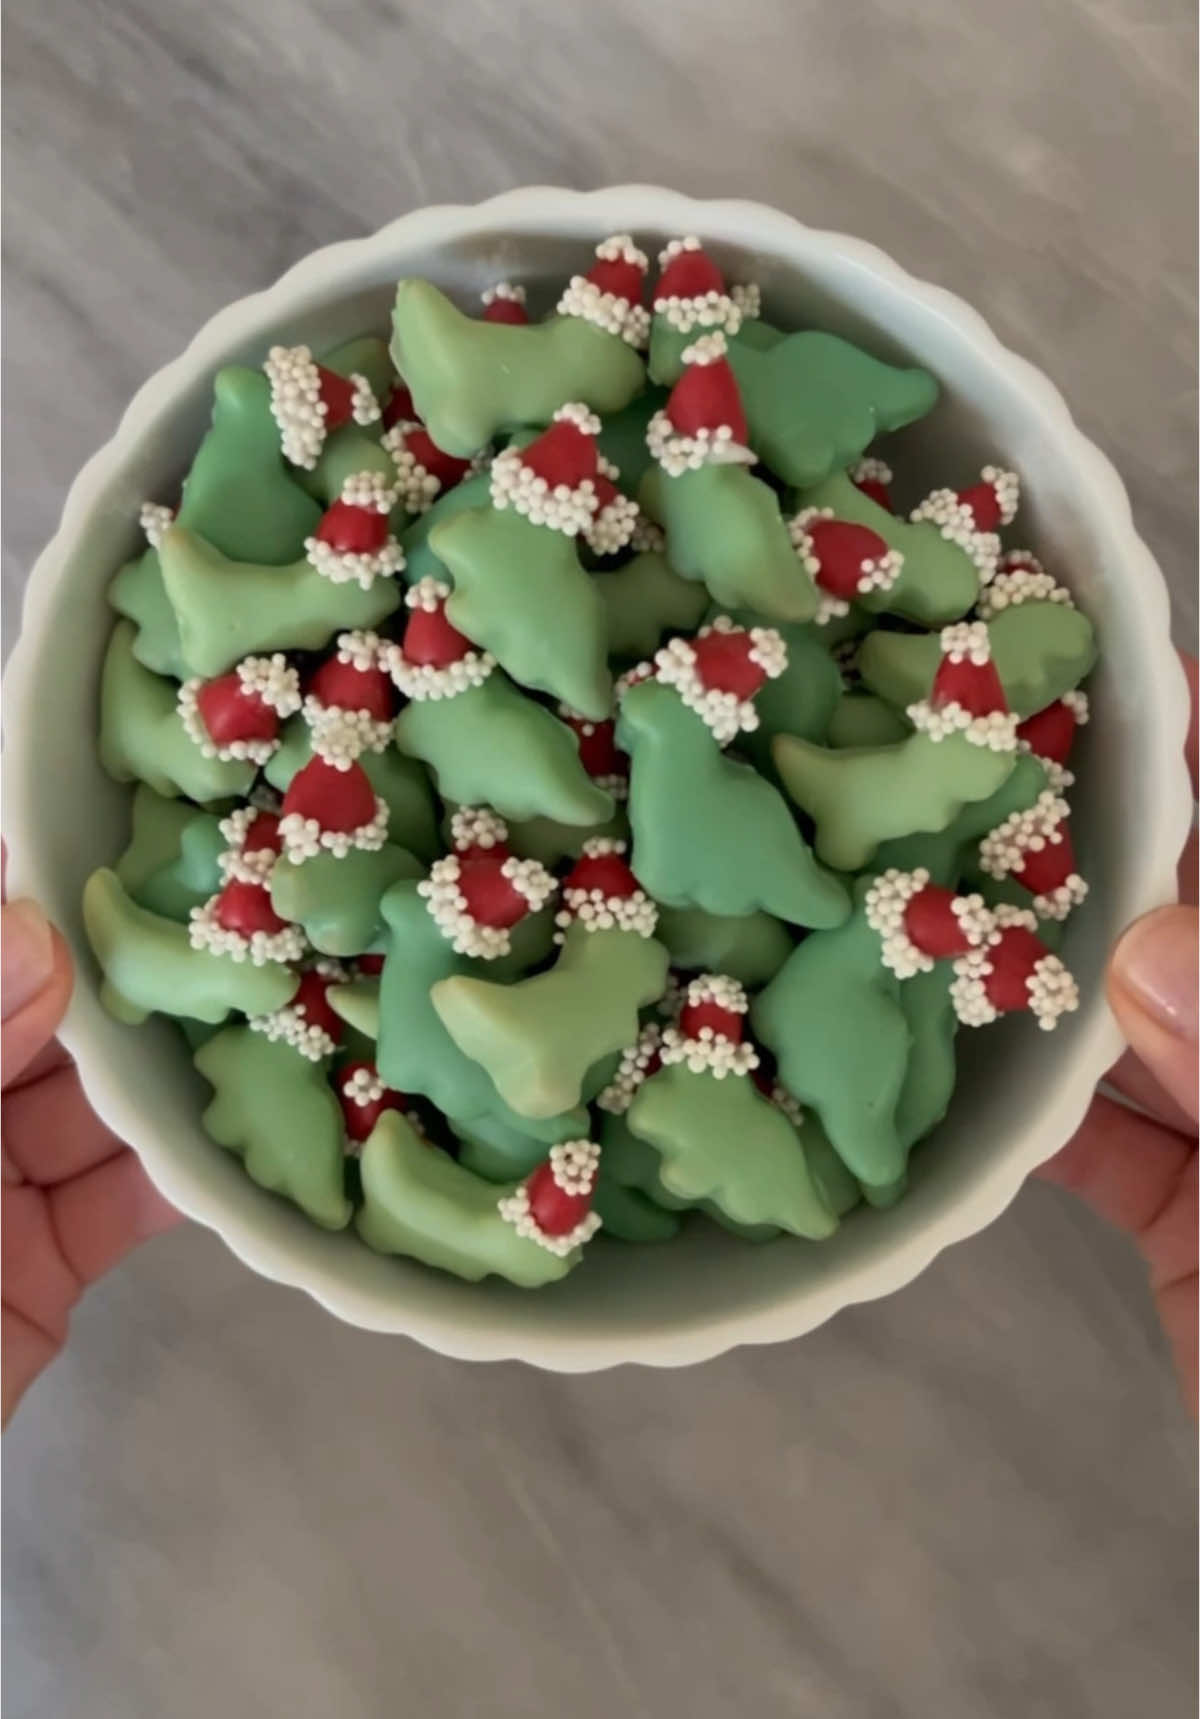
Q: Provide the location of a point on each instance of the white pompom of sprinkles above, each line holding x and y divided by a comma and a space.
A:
632, 1070
155, 520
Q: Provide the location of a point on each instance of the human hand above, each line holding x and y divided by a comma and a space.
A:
1139, 1170
75, 1199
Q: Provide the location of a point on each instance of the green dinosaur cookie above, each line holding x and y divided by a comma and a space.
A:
420, 562
191, 875
838, 1188
357, 1003
417, 1201
337, 900
664, 360
149, 964
399, 781
858, 799
644, 601
749, 947
720, 1140
799, 701
622, 437
498, 1152
470, 379
230, 609
548, 842
944, 852
521, 593
862, 719
138, 593
142, 736
542, 1037
492, 746
1040, 650
708, 831
932, 1069
277, 1111
156, 825
724, 528
630, 1215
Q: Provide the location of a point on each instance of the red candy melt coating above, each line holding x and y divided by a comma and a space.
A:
508, 310
976, 686
448, 469
246, 908
491, 898
689, 274
353, 530
229, 713
553, 1210
399, 408
310, 1000
724, 664
842, 547
369, 963
875, 490
1051, 732
338, 396
982, 501
706, 397
360, 1119
339, 800
617, 276
931, 923
724, 1023
606, 872
341, 686
1045, 868
1013, 960
562, 454
598, 751
431, 642
262, 834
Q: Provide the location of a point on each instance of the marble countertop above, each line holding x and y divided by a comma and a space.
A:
975, 1499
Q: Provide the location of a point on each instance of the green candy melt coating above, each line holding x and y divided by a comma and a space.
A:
858, 799
492, 746
720, 1140
336, 899
191, 875
417, 1201
664, 360
833, 1019
862, 719
938, 582
231, 609
799, 701
150, 964
622, 437
156, 826
749, 947
630, 1215
644, 601
142, 736
277, 1110
357, 1003
932, 1069
708, 831
1040, 650
470, 379
724, 528
521, 593
138, 593
492, 1148
539, 1039
399, 781
548, 842
366, 355
240, 495
420, 560
943, 853
839, 1188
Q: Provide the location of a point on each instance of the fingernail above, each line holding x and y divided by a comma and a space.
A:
27, 955
1155, 963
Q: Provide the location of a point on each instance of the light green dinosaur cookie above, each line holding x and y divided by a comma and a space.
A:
230, 609
708, 830
420, 560
417, 1201
932, 1069
142, 737
548, 842
138, 593
749, 947
837, 1186
862, 719
644, 601
492, 746
724, 528
357, 1003
541, 1038
470, 379
337, 900
862, 797
277, 1111
943, 853
521, 593
191, 875
1040, 650
156, 825
148, 963
721, 1141
622, 437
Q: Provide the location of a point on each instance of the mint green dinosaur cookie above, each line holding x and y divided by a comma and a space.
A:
838, 1188
622, 437
720, 1140
860, 798
419, 558
938, 581
138, 593
336, 899
230, 609
240, 495
142, 736
630, 1215
932, 1069
156, 825
417, 1201
399, 781
1040, 650
470, 379
149, 964
832, 1016
943, 852
492, 1148
190, 875
539, 1039
521, 593
749, 947
799, 701
277, 1111
492, 746
644, 601
547, 841
724, 528
708, 831
862, 719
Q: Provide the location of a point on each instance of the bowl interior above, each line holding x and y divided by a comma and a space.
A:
1019, 1092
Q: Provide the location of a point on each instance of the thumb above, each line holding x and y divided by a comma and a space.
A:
1152, 982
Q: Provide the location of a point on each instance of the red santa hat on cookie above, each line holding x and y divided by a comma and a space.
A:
353, 539
553, 1206
844, 560
308, 401
423, 470
707, 1036
1034, 847
1021, 578
609, 296
873, 477
703, 421
239, 921
307, 1022
638, 1062
920, 923
599, 753
364, 1097
1014, 970
476, 897
331, 807
552, 481
970, 517
237, 715
350, 704
434, 660
505, 302
690, 293
601, 892
1050, 734
253, 844
967, 696
719, 672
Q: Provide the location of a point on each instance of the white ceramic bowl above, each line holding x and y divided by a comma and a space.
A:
1021, 1092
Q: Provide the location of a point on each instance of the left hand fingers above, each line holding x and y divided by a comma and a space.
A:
35, 985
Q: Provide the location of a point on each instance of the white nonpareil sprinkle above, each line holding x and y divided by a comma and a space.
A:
514, 1209
709, 1053
613, 525
966, 641
358, 566
561, 508
573, 1166
1077, 703
291, 1026
420, 681
269, 680
876, 573
205, 932
1021, 585
747, 299
675, 665
956, 523
339, 736
886, 906
677, 453
620, 248
632, 1069
449, 909
1004, 850
503, 291
605, 310
303, 838
477, 827
362, 1086
369, 491
721, 311
417, 487
871, 470
155, 520
997, 730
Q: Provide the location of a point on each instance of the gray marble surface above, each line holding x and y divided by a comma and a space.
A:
973, 1500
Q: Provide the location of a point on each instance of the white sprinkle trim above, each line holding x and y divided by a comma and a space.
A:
677, 453
1004, 849
1021, 585
997, 730
205, 932
710, 310
303, 838
296, 403
1077, 703
292, 1027
782, 1099
1052, 990
503, 290
562, 508
605, 311
871, 470
271, 681
877, 573
448, 907
747, 299
647, 537
631, 1071
956, 523
420, 681
574, 1165
577, 413
710, 1053
675, 247
369, 491
610, 529
417, 488
360, 566
155, 520
722, 712
362, 1086
596, 911
514, 1209
966, 641
235, 863
620, 248
886, 904
339, 736
718, 989
477, 827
